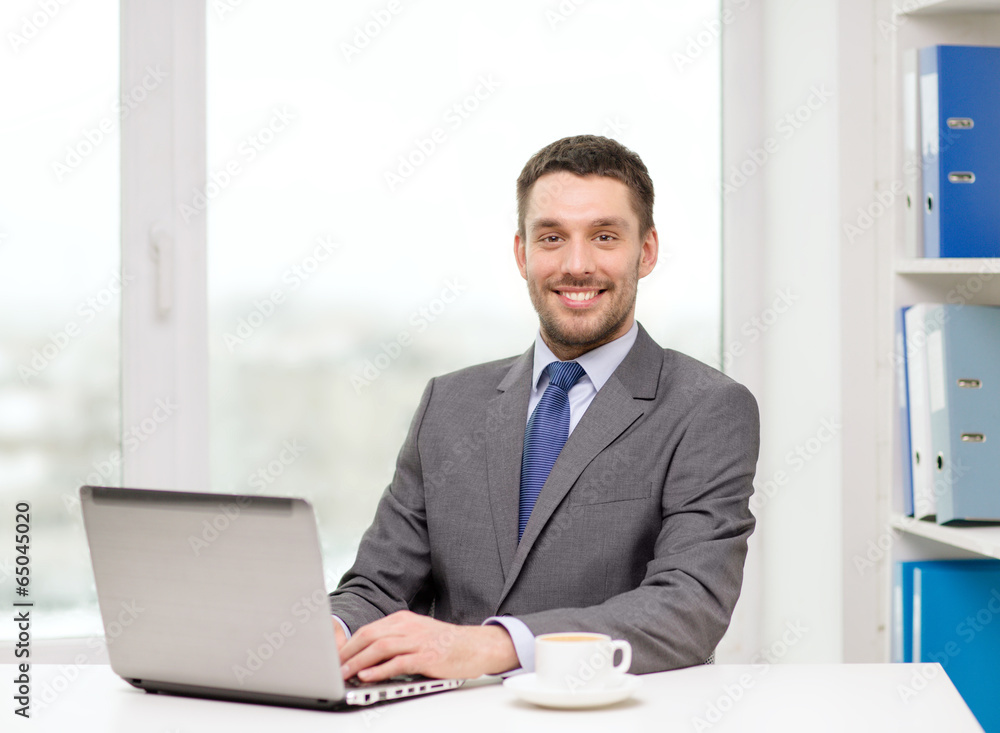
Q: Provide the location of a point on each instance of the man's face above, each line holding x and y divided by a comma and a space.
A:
582, 257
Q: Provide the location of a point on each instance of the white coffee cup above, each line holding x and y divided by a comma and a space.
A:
580, 661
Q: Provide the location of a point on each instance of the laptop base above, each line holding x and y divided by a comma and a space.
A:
258, 698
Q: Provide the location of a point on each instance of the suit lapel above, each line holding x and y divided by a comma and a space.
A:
506, 416
615, 407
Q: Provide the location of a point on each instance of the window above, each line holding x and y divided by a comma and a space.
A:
60, 286
361, 232
359, 200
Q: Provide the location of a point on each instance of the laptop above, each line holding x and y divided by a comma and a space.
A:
221, 596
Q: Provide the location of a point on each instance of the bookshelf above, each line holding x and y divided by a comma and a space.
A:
950, 266
982, 541
904, 280
949, 7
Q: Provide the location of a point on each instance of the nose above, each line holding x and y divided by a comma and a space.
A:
578, 258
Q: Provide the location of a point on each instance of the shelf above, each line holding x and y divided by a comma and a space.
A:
905, 279
940, 7
981, 540
948, 266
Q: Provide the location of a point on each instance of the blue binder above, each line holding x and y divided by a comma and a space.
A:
956, 621
960, 148
963, 375
902, 598
903, 398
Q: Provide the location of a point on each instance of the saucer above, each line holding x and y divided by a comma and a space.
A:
527, 687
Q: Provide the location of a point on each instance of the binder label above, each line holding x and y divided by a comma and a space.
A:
929, 113
935, 370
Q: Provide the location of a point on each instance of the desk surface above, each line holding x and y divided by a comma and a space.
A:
854, 698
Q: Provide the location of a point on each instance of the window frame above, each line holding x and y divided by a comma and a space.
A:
164, 331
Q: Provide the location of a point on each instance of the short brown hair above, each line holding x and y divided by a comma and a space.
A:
587, 155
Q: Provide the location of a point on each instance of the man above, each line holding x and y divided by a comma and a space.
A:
621, 507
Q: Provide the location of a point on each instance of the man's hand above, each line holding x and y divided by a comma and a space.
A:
338, 633
408, 643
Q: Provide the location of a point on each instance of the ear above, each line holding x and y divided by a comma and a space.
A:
521, 255
649, 252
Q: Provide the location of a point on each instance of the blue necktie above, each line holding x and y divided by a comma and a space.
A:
545, 436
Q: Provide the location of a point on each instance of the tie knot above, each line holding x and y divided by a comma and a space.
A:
564, 374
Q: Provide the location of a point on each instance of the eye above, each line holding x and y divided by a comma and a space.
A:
605, 237
550, 238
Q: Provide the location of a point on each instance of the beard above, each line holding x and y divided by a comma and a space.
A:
584, 329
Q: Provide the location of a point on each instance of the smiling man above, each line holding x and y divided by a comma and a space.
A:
597, 482
587, 255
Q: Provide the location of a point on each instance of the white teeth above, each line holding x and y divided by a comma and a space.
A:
587, 295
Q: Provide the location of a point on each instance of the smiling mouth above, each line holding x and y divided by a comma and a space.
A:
586, 295
580, 297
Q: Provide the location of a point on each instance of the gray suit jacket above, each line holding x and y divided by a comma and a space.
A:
640, 531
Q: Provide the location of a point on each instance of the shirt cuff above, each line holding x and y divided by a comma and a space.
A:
339, 620
524, 641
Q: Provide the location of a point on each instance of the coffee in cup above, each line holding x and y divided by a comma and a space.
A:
578, 661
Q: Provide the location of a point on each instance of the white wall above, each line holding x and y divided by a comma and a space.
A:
782, 312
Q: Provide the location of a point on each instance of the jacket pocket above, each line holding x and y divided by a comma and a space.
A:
589, 492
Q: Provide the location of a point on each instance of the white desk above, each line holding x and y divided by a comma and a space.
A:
853, 698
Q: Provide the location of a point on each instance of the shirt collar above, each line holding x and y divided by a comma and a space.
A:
599, 363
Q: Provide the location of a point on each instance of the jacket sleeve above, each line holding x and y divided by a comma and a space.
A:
393, 560
679, 612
